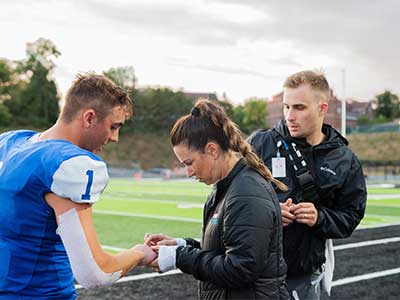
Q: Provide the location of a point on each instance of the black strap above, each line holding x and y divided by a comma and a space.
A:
301, 169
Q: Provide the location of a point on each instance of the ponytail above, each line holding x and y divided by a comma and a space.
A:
208, 121
239, 144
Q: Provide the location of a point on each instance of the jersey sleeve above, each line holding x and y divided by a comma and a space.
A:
81, 179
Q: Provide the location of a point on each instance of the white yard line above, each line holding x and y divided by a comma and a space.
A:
383, 196
336, 248
377, 226
367, 276
133, 199
141, 276
338, 282
126, 214
170, 193
107, 247
367, 243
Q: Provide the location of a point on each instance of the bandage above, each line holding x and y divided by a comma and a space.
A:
167, 258
180, 242
84, 267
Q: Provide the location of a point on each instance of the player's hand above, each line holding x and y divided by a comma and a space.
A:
154, 265
305, 213
158, 239
149, 254
287, 216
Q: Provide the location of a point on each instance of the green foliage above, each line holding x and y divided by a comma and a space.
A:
8, 81
35, 103
365, 120
228, 107
6, 85
6, 74
252, 115
388, 106
41, 52
377, 147
38, 103
122, 76
5, 116
158, 109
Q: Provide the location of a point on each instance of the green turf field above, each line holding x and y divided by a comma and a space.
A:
128, 209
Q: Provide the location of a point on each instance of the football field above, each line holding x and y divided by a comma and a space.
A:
367, 265
128, 209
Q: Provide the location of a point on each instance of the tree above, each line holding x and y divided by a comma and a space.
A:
158, 109
122, 76
388, 105
253, 116
5, 116
37, 103
6, 86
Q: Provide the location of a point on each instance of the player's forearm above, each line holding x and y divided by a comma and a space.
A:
125, 260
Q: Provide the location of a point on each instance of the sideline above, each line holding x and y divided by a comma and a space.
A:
140, 277
335, 248
373, 275
338, 282
366, 243
377, 226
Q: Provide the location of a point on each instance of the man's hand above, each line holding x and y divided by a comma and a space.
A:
149, 254
158, 239
305, 213
287, 216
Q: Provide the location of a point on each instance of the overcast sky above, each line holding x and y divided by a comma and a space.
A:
244, 48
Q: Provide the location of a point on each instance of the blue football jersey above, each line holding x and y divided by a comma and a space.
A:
33, 261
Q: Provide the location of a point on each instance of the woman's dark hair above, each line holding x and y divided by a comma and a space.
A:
208, 122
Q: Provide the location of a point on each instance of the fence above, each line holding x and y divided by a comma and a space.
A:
374, 128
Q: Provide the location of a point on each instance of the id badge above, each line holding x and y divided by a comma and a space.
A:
278, 167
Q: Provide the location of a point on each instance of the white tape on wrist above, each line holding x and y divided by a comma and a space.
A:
167, 258
180, 242
84, 267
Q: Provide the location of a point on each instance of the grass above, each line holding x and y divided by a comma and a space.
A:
150, 199
375, 146
383, 191
142, 206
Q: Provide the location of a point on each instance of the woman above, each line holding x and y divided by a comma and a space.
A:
240, 254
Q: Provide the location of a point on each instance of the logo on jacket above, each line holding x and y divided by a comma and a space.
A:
326, 169
214, 219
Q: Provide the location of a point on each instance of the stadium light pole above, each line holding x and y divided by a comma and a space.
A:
343, 125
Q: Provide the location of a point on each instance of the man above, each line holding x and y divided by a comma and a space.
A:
48, 183
327, 193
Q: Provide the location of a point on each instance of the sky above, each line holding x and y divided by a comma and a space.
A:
241, 48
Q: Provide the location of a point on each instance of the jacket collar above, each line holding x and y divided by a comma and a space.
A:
226, 181
332, 139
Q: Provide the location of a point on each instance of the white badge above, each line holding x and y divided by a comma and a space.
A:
278, 167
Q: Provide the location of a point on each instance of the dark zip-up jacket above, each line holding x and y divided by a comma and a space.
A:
240, 255
340, 185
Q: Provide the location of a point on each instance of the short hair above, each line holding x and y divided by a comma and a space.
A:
97, 92
316, 79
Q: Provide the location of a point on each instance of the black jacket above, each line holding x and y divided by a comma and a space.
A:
240, 256
340, 185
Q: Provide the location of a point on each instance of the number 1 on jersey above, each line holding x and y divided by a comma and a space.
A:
86, 196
